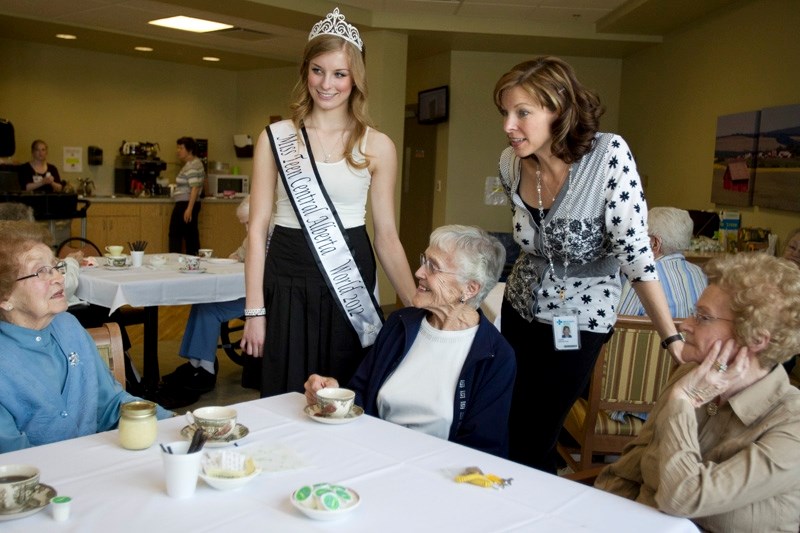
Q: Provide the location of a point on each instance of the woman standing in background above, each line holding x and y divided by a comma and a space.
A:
37, 174
188, 184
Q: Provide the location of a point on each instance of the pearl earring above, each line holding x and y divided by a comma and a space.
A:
8, 307
463, 299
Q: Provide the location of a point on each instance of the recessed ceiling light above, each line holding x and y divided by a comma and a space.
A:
190, 24
210, 58
143, 48
66, 36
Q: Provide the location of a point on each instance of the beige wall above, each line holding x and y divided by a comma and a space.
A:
73, 97
743, 59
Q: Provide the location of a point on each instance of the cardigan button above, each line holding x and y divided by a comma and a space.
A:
38, 339
64, 414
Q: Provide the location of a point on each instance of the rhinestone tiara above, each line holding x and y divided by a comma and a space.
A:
334, 24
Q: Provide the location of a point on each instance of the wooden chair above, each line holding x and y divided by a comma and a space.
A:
109, 343
630, 373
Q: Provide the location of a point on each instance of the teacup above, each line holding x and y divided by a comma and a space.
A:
17, 485
158, 260
216, 422
205, 253
114, 250
189, 262
335, 402
117, 260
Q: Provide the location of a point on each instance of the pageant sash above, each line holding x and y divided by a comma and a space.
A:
323, 230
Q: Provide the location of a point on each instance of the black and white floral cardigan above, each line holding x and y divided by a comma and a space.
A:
606, 214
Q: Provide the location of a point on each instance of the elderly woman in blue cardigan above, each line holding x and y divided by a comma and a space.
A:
53, 383
441, 367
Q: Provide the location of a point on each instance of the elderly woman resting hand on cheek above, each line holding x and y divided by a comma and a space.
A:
441, 367
722, 445
54, 385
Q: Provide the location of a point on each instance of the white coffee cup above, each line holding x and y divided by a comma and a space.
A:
136, 258
181, 469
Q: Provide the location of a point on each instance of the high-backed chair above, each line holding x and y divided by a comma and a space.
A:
109, 343
630, 373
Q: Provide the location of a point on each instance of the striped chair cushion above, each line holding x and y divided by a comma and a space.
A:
636, 367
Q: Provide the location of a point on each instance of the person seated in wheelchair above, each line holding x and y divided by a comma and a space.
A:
199, 344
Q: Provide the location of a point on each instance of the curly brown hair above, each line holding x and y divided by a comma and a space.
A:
18, 237
765, 300
302, 103
553, 84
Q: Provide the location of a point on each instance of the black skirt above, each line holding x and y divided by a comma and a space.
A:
306, 331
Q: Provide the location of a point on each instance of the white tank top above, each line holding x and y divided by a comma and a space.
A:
347, 188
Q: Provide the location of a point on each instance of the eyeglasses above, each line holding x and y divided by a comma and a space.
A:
430, 268
47, 272
702, 318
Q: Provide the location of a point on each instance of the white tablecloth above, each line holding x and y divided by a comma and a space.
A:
164, 285
404, 479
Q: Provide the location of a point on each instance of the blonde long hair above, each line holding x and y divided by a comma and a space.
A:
302, 104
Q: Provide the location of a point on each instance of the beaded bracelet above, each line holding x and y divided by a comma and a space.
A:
255, 312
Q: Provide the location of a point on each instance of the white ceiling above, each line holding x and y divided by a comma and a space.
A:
272, 33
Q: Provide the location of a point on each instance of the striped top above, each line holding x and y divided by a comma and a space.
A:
683, 283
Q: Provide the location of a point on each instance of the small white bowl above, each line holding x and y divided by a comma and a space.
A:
319, 514
229, 483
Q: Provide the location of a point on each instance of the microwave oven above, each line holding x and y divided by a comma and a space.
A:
220, 184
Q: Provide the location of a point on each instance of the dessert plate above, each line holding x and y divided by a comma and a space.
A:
38, 501
239, 432
304, 501
314, 414
220, 261
195, 271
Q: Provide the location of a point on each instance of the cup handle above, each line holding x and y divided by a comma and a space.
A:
190, 418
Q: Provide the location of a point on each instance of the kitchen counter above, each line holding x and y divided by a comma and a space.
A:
126, 198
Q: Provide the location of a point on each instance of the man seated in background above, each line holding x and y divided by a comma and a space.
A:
670, 231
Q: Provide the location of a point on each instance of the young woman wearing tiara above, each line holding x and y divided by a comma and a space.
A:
311, 305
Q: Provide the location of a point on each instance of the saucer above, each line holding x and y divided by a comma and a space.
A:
239, 432
220, 260
314, 414
109, 267
195, 271
38, 501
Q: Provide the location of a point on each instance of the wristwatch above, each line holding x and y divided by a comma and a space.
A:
672, 338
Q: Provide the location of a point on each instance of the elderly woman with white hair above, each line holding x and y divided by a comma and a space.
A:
441, 367
722, 445
670, 231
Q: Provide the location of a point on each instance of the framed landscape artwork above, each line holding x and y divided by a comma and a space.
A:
735, 154
777, 182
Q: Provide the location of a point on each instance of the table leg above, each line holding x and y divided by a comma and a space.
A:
151, 373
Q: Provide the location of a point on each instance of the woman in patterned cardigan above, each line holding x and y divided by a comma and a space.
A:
579, 216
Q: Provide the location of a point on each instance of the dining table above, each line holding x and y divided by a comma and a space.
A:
157, 284
405, 481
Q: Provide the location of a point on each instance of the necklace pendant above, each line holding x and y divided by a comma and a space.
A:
712, 408
562, 294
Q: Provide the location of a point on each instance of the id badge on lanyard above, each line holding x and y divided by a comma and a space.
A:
566, 335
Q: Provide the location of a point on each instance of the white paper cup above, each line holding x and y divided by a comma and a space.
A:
181, 469
136, 258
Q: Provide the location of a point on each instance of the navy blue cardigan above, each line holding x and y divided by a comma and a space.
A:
483, 395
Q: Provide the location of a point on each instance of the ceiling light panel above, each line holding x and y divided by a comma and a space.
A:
190, 24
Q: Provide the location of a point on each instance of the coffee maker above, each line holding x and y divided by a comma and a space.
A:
138, 174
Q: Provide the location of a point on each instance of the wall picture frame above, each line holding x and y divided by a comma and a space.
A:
433, 105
